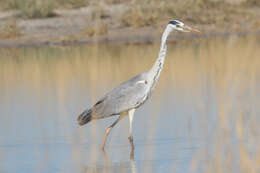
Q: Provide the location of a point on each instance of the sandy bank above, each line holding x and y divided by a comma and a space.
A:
77, 26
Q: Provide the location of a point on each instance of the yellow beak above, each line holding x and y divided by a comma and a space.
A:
187, 28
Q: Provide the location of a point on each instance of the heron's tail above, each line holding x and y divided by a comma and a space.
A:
84, 117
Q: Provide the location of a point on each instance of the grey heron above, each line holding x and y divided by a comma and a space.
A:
128, 96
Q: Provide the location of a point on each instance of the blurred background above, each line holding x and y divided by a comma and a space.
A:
31, 22
57, 58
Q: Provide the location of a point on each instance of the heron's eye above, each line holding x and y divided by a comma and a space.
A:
178, 26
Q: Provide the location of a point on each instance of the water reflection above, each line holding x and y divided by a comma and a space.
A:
108, 167
202, 117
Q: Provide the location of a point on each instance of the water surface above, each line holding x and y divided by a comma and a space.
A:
202, 117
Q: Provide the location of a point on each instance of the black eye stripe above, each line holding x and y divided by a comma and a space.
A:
173, 22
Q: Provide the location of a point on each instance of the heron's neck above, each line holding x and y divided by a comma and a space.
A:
158, 65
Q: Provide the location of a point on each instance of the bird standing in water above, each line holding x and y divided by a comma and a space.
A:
130, 95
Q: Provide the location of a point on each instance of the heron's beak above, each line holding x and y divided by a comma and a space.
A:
189, 29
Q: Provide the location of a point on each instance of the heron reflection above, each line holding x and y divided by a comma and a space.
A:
132, 164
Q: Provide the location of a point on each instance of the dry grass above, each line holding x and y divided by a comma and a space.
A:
139, 17
147, 13
39, 8
98, 13
71, 3
252, 2
36, 8
30, 8
140, 13
68, 39
99, 29
9, 4
20, 4
10, 30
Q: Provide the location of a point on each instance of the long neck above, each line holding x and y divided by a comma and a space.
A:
158, 65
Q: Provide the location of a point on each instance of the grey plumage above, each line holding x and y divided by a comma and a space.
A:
128, 95
125, 98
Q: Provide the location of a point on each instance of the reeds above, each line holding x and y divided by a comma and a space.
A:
96, 30
10, 30
139, 13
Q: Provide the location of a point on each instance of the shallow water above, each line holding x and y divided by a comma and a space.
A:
202, 117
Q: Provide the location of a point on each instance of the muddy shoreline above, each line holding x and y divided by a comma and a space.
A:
71, 27
115, 40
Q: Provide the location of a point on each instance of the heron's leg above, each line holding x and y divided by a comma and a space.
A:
131, 117
132, 150
110, 128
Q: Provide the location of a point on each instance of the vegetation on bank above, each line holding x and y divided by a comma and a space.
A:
10, 30
136, 11
133, 13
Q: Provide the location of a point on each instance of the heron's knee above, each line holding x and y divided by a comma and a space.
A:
108, 130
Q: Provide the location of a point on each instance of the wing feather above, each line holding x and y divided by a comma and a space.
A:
127, 95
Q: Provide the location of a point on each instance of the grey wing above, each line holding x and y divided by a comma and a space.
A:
127, 95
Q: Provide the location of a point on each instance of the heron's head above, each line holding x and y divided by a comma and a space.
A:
179, 26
